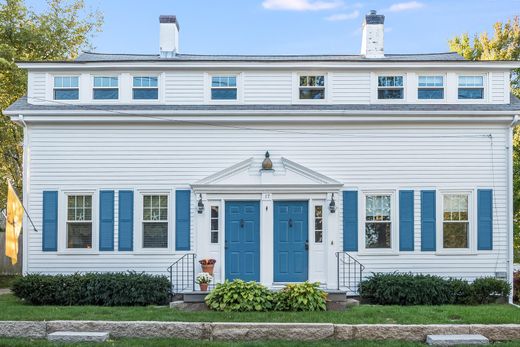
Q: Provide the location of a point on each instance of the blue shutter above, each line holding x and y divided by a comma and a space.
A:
106, 220
126, 220
50, 221
350, 221
182, 220
485, 219
428, 220
406, 242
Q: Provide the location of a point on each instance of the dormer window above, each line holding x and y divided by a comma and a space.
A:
105, 88
471, 87
312, 87
145, 88
390, 87
224, 88
430, 87
66, 88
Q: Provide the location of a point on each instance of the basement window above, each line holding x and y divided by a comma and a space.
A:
145, 88
471, 87
312, 87
105, 88
390, 87
66, 88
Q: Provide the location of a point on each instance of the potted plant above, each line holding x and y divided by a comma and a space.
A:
207, 265
203, 280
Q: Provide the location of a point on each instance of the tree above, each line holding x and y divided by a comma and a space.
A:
58, 33
504, 45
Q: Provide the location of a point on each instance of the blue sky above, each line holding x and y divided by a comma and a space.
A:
291, 26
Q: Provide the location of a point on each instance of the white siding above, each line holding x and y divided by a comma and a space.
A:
37, 87
267, 87
184, 87
169, 156
499, 87
350, 87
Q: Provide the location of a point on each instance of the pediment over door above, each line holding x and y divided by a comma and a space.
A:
286, 176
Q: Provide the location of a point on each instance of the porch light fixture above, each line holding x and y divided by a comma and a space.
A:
200, 205
332, 205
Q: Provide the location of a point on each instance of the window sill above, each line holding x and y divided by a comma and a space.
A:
456, 252
365, 252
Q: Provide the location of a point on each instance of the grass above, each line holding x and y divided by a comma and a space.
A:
6, 280
14, 309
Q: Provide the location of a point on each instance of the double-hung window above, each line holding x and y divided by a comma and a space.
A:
455, 220
312, 87
79, 221
318, 223
105, 88
430, 87
471, 87
214, 223
224, 88
378, 221
145, 88
66, 88
155, 221
390, 87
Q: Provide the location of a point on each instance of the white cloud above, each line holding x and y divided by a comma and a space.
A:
343, 16
301, 5
405, 6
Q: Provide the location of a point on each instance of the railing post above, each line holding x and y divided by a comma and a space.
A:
193, 269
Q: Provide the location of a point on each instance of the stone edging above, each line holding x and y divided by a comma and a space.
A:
258, 331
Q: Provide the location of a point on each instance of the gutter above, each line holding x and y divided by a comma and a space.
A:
25, 191
510, 212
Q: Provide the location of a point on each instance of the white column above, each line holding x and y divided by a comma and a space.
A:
266, 240
331, 241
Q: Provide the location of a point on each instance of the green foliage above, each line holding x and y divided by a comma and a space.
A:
55, 34
102, 289
240, 296
304, 296
410, 289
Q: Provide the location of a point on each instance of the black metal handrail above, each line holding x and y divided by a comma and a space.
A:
349, 272
182, 274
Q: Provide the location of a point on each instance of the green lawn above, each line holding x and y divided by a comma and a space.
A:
13, 309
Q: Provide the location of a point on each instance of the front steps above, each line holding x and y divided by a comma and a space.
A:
76, 336
456, 340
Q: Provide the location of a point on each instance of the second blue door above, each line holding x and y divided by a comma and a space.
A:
291, 246
242, 240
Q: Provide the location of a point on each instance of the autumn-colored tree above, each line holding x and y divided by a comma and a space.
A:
503, 45
58, 33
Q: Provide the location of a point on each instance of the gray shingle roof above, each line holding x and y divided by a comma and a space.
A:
86, 57
21, 105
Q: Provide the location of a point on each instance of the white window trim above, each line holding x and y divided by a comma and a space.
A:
207, 90
485, 87
472, 237
138, 229
296, 87
104, 101
62, 224
444, 86
313, 227
160, 88
375, 87
394, 231
53, 76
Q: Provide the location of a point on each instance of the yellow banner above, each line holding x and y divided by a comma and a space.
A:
14, 224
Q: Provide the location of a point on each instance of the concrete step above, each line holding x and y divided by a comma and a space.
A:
77, 336
455, 340
336, 295
194, 297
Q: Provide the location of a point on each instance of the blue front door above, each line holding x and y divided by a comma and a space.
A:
242, 241
291, 246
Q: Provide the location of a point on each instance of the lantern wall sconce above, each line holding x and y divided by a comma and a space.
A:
332, 205
200, 205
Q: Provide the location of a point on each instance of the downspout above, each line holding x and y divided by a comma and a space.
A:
510, 227
25, 189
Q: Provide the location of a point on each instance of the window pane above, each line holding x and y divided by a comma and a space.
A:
377, 235
66, 94
390, 93
431, 81
79, 235
318, 211
378, 208
214, 237
455, 234
106, 94
309, 93
145, 93
390, 81
471, 81
214, 211
455, 207
471, 93
105, 82
431, 93
155, 235
224, 94
303, 81
214, 224
318, 236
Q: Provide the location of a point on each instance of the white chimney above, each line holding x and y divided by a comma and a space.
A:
372, 44
169, 36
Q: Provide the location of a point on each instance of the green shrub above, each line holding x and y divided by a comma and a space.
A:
462, 292
102, 289
300, 297
487, 289
240, 296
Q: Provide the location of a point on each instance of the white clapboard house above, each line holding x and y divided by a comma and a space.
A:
377, 163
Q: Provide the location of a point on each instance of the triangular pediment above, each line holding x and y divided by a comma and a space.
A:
285, 175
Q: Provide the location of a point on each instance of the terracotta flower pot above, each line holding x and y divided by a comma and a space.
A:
208, 268
203, 287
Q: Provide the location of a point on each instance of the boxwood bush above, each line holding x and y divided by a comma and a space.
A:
102, 289
409, 289
240, 296
300, 297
